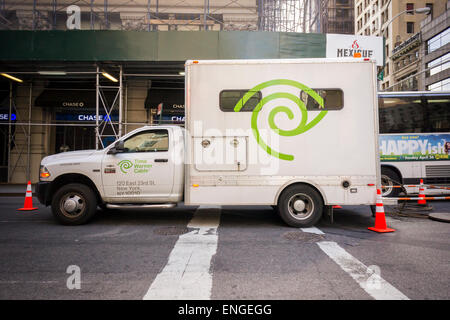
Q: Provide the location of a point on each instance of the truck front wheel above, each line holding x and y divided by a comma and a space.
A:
74, 204
300, 206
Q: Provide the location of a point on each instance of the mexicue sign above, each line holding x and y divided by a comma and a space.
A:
351, 46
355, 52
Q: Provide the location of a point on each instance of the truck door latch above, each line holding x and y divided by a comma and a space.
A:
161, 160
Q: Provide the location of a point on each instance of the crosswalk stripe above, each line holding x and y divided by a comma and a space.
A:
187, 274
312, 230
369, 280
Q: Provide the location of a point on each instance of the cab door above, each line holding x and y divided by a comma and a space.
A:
143, 172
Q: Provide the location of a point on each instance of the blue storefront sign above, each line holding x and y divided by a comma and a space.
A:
85, 117
168, 118
5, 117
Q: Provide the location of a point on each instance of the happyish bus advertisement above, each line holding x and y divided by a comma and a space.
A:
414, 147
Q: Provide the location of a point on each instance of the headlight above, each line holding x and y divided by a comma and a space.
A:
43, 172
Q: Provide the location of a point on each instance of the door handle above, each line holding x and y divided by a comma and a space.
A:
161, 160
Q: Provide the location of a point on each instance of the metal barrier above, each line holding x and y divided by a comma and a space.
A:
405, 208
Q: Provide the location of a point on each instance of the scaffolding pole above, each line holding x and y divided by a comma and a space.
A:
30, 98
97, 92
120, 101
108, 108
10, 130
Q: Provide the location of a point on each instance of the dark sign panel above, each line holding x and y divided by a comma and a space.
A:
171, 100
72, 99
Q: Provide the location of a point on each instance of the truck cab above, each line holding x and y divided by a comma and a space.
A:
143, 168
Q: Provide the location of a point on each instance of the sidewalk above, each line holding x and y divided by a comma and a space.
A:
14, 190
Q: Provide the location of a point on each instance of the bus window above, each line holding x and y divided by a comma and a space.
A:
438, 109
402, 114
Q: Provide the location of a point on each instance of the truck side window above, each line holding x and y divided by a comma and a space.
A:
333, 99
148, 141
229, 98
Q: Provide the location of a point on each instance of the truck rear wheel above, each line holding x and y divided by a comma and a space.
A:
74, 204
300, 206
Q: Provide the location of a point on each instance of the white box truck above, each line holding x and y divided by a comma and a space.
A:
297, 134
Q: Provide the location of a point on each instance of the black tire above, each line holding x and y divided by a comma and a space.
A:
390, 178
306, 212
74, 204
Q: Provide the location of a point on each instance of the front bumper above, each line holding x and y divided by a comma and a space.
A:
42, 191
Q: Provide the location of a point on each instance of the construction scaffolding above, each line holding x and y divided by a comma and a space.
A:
26, 128
167, 15
288, 15
336, 16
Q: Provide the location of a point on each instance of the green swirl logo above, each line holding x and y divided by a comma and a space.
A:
125, 165
301, 128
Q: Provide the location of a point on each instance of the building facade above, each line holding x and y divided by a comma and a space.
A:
337, 16
401, 27
138, 15
435, 65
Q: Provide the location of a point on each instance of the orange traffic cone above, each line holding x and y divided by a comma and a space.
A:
422, 201
28, 205
380, 219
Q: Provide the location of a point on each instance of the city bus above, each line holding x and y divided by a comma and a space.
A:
414, 141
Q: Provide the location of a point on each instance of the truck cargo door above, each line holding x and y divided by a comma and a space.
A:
220, 153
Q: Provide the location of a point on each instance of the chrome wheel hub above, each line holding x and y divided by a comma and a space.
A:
72, 205
301, 206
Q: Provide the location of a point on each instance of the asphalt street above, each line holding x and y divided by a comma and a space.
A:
240, 253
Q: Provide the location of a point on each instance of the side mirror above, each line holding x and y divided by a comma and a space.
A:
118, 147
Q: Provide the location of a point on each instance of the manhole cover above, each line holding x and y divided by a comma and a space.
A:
170, 231
302, 236
440, 216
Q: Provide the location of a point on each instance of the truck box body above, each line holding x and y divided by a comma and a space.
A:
248, 157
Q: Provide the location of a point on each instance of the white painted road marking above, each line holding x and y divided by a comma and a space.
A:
187, 275
312, 230
361, 274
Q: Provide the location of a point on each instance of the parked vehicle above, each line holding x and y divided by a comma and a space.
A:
300, 135
414, 140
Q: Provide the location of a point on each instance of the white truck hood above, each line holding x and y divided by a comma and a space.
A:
69, 156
